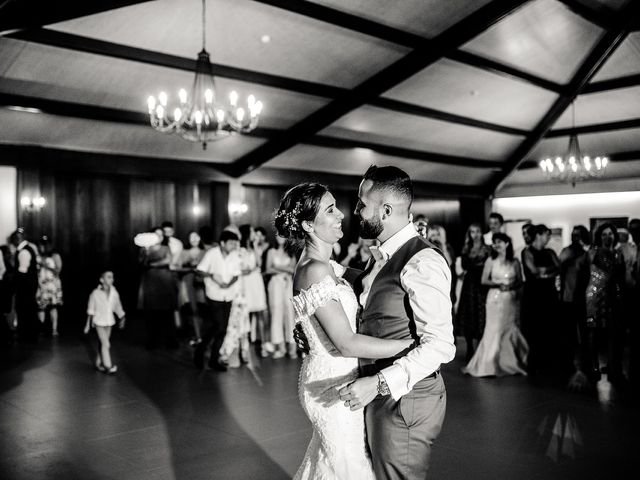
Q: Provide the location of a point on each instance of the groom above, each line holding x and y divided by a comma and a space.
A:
404, 293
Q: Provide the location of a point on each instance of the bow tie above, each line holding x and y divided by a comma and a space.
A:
378, 254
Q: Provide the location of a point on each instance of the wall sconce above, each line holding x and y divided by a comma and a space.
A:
197, 210
32, 204
236, 208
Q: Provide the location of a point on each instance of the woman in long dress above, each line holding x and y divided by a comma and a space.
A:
473, 295
502, 349
603, 300
326, 308
49, 294
157, 296
280, 265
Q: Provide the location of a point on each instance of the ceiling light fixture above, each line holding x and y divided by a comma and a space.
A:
197, 116
573, 166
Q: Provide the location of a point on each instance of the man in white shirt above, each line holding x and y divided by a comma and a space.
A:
221, 268
404, 294
496, 225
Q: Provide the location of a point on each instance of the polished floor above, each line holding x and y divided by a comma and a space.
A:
159, 418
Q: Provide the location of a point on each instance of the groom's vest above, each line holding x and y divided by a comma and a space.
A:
388, 313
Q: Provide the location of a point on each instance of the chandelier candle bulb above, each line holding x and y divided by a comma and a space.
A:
233, 98
182, 94
151, 103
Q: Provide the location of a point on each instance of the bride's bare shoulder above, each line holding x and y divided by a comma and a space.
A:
310, 271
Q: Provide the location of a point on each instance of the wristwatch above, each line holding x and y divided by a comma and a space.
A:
383, 388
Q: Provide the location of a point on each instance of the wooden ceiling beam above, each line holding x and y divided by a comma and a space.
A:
99, 47
93, 112
613, 84
426, 112
599, 54
604, 17
401, 152
29, 156
18, 15
114, 50
485, 64
379, 83
595, 128
404, 38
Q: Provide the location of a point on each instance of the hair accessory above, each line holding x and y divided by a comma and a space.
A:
291, 221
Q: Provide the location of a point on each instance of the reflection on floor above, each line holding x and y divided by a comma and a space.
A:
158, 418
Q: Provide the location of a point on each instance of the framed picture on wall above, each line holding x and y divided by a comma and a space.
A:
619, 222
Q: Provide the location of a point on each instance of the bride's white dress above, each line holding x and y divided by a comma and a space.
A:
338, 446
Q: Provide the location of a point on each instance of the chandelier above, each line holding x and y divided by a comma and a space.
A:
197, 116
573, 166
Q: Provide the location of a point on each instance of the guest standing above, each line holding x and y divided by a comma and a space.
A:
496, 225
104, 304
191, 284
221, 269
473, 295
253, 287
502, 349
280, 265
26, 287
49, 294
574, 275
158, 293
437, 235
634, 322
540, 297
606, 278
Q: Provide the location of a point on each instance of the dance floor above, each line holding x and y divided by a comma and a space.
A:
159, 418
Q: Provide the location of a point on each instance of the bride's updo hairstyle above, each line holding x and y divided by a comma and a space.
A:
300, 203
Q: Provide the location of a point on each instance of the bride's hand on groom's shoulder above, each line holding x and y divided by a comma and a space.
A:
360, 393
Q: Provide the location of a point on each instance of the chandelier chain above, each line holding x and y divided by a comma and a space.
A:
204, 25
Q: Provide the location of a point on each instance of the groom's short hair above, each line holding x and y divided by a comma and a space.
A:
392, 180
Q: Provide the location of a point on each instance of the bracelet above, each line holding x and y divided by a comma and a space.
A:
383, 388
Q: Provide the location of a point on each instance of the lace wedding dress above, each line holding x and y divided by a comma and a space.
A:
338, 445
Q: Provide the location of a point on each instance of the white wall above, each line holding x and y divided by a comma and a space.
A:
565, 211
8, 196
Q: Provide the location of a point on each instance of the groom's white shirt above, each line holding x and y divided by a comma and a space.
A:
426, 278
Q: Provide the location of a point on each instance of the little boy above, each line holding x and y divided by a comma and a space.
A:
104, 303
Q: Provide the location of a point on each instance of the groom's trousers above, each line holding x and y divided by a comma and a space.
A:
400, 433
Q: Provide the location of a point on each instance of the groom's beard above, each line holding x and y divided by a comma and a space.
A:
370, 229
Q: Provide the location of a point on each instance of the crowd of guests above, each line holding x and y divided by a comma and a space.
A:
30, 287
568, 316
233, 292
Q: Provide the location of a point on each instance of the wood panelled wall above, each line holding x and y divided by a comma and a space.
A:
93, 217
92, 220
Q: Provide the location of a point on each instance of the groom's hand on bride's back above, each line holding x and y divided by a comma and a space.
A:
301, 339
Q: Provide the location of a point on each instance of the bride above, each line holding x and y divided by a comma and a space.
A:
326, 308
